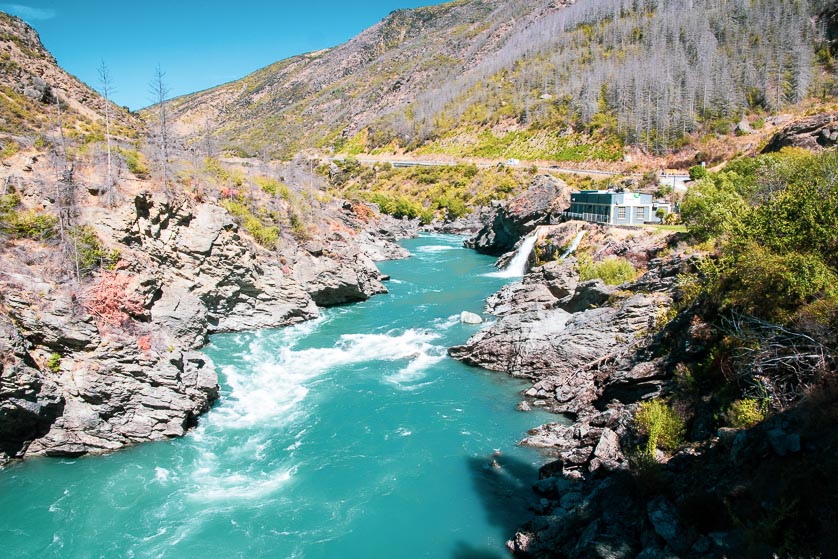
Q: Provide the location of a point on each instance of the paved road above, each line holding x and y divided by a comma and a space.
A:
676, 178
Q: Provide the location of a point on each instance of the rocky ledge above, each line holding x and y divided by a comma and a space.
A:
561, 333
585, 346
93, 367
507, 222
594, 353
814, 133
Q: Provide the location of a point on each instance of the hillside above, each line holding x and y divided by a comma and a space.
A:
31, 86
534, 80
310, 100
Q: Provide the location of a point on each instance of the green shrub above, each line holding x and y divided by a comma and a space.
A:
54, 363
663, 427
136, 162
612, 271
214, 169
89, 253
697, 172
25, 224
298, 228
273, 187
265, 235
744, 414
9, 149
8, 202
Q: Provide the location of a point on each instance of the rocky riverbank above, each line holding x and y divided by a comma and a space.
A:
93, 366
588, 349
594, 353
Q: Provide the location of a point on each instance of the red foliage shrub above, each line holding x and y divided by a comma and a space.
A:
110, 301
144, 343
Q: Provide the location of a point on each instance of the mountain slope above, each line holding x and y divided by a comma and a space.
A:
483, 78
30, 83
311, 99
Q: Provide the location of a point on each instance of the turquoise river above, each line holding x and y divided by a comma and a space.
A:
350, 436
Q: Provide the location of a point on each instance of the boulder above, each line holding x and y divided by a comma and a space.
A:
588, 295
560, 277
743, 128
520, 297
664, 517
470, 318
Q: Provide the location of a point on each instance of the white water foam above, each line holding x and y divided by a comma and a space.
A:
574, 245
241, 487
432, 249
161, 475
277, 383
517, 267
443, 324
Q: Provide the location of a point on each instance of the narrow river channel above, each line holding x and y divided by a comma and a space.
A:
351, 436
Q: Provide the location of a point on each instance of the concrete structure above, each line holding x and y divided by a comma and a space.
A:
611, 207
677, 181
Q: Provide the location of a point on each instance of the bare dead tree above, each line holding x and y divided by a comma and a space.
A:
209, 147
62, 138
110, 195
162, 138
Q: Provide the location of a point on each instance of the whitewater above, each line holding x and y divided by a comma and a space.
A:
353, 435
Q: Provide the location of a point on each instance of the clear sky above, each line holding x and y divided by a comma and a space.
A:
198, 44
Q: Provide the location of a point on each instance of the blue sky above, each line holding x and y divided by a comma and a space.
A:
198, 44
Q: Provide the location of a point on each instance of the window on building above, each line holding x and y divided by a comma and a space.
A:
621, 213
641, 213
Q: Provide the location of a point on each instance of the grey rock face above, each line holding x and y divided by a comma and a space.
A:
520, 297
52, 319
537, 343
335, 282
664, 517
29, 399
71, 383
519, 216
125, 396
814, 133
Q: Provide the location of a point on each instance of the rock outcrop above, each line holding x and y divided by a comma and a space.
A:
201, 275
114, 363
814, 133
511, 220
588, 350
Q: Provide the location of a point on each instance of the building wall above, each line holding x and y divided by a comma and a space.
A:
614, 208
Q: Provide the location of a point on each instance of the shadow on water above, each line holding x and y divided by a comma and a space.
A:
504, 485
466, 551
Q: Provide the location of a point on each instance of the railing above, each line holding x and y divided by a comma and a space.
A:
595, 218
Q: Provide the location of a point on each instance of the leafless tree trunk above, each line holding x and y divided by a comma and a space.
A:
109, 193
160, 93
61, 136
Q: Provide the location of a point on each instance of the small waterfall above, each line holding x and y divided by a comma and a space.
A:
517, 267
574, 245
